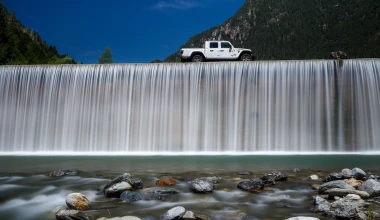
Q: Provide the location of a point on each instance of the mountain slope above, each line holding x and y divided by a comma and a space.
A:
300, 29
21, 45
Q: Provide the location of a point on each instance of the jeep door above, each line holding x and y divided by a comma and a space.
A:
212, 52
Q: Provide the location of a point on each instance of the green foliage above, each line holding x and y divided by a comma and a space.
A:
298, 29
20, 45
106, 56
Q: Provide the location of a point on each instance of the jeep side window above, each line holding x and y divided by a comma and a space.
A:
226, 45
214, 45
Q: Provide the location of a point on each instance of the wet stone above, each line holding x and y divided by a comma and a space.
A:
201, 186
251, 184
333, 177
77, 201
189, 215
160, 193
321, 204
271, 178
61, 173
129, 196
372, 187
174, 213
166, 182
72, 215
244, 173
340, 184
117, 189
358, 173
121, 218
346, 173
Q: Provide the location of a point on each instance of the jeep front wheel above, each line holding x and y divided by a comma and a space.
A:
197, 58
246, 57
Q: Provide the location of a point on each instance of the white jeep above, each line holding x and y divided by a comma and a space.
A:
215, 51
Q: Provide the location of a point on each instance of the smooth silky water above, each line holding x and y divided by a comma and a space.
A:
320, 116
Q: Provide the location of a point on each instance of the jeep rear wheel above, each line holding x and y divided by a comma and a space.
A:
197, 58
246, 57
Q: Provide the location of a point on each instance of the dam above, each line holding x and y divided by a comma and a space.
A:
263, 107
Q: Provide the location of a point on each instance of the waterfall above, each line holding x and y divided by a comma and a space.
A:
230, 107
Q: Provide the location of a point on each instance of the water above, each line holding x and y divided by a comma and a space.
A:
28, 193
231, 108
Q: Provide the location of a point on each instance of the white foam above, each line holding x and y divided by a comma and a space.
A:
186, 153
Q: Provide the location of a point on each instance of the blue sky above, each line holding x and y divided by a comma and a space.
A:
137, 31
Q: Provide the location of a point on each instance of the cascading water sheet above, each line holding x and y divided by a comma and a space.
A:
228, 108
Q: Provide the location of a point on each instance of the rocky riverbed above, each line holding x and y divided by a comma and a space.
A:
216, 187
244, 195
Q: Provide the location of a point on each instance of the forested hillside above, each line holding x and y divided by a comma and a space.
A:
299, 29
21, 45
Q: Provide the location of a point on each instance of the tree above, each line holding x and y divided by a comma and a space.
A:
106, 56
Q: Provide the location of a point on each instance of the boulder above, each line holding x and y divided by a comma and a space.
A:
189, 215
296, 170
313, 177
117, 189
160, 193
201, 186
72, 214
129, 196
166, 182
358, 173
174, 213
345, 192
61, 173
321, 204
347, 207
271, 178
346, 173
136, 183
251, 184
211, 179
340, 184
372, 187
203, 217
77, 201
244, 173
333, 177
353, 182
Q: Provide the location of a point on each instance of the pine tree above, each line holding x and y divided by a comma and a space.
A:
106, 56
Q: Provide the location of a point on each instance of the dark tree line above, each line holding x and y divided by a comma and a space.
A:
20, 45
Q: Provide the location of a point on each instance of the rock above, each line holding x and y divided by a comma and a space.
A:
346, 173
367, 215
189, 215
166, 182
271, 178
121, 218
353, 182
60, 173
251, 185
160, 193
347, 207
117, 189
358, 173
203, 217
372, 187
201, 186
174, 213
72, 215
340, 184
296, 170
211, 179
374, 200
345, 192
303, 218
244, 173
333, 177
261, 191
129, 196
321, 205
59, 208
313, 177
136, 183
77, 201
246, 217
374, 177
316, 186
338, 55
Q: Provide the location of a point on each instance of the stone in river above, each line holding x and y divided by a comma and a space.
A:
61, 173
201, 186
174, 213
251, 184
77, 201
130, 196
372, 187
340, 184
358, 173
166, 182
117, 189
72, 215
